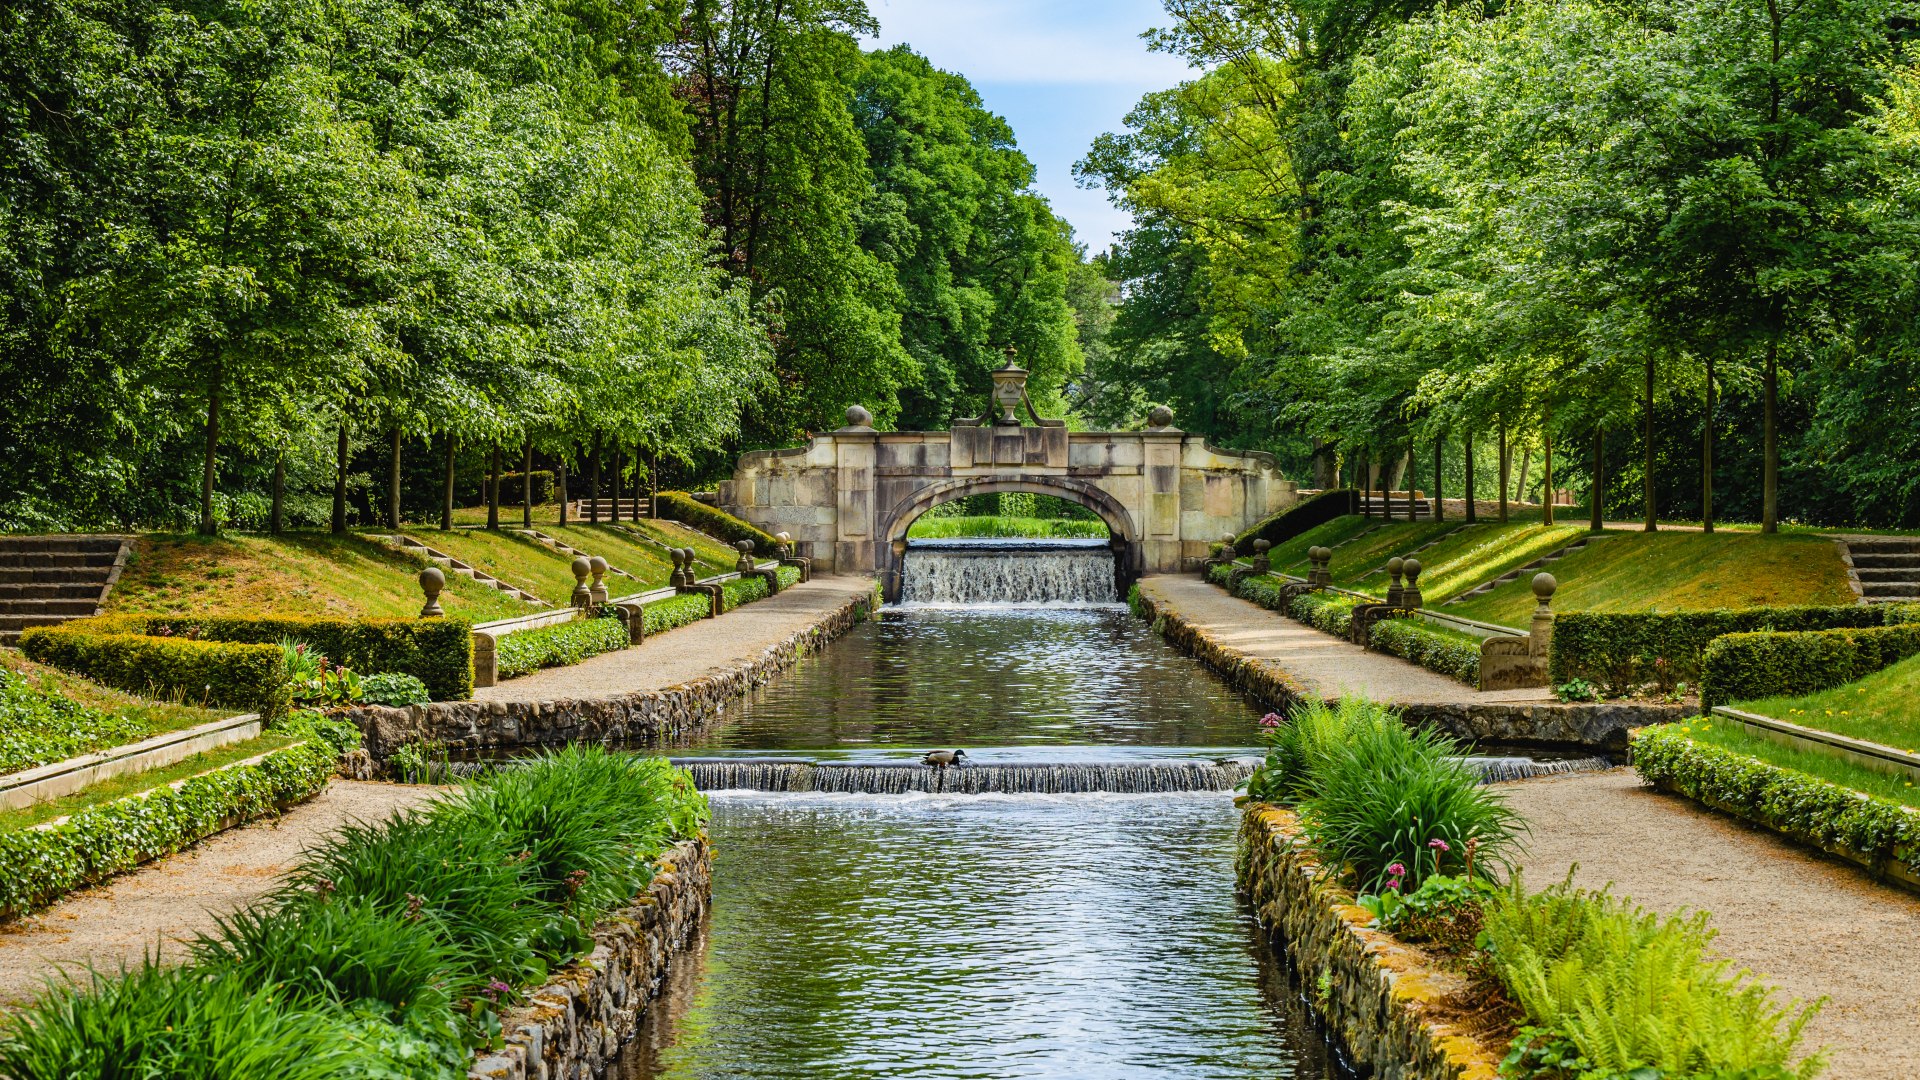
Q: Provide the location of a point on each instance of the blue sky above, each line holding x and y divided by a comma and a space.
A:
1060, 71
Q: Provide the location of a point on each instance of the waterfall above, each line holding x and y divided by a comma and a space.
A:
1062, 572
1010, 778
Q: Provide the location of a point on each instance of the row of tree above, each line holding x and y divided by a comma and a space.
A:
247, 247
1676, 238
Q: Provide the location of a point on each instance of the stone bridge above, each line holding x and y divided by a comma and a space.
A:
849, 496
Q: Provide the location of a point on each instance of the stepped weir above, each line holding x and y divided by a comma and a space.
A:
1067, 573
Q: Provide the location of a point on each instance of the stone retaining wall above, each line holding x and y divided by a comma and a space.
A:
575, 1025
1602, 725
644, 717
1379, 997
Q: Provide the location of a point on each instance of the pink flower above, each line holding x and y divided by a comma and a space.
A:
1394, 884
1397, 869
1271, 720
1436, 842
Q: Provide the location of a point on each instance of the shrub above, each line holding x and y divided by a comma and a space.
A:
1739, 667
1329, 612
512, 493
1279, 528
1618, 651
1630, 991
742, 590
682, 610
393, 688
38, 727
118, 651
789, 577
1262, 589
684, 508
524, 651
1432, 649
1389, 803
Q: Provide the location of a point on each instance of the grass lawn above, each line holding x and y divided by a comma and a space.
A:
714, 555
1832, 769
310, 574
646, 562
119, 787
1371, 551
514, 559
1671, 571
1291, 557
1479, 554
1884, 707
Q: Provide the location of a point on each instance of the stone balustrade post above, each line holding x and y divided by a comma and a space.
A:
582, 596
1540, 634
1394, 566
744, 564
1410, 597
598, 592
432, 581
1262, 560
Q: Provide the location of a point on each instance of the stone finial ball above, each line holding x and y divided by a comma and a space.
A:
1317, 553
784, 537
598, 565
432, 580
1260, 546
1544, 584
858, 416
1159, 416
1395, 565
1411, 568
745, 546
581, 567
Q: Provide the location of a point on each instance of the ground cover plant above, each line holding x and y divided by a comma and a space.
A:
1884, 707
391, 949
524, 651
295, 574
47, 714
1680, 571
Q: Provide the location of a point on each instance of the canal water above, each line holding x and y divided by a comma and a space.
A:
1004, 935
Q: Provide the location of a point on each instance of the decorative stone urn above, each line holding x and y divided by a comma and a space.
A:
1394, 566
1410, 597
1009, 391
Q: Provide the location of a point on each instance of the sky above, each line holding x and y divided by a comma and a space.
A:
1060, 71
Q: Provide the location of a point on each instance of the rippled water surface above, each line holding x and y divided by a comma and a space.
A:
1084, 936
990, 677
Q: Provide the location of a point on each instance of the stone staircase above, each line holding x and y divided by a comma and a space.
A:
1540, 563
1888, 568
47, 580
610, 509
1382, 568
565, 548
453, 565
1399, 504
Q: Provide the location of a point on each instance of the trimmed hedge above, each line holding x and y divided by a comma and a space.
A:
742, 590
512, 495
38, 866
1738, 667
789, 577
684, 508
1781, 799
1279, 528
525, 651
1263, 590
118, 651
1413, 640
1329, 612
683, 610
1618, 651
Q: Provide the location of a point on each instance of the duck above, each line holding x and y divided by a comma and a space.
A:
940, 759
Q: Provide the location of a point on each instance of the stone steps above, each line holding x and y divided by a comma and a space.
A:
455, 566
1382, 568
48, 580
568, 549
1886, 569
1543, 561
623, 509
1400, 506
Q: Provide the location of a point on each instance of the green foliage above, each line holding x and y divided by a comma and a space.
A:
1818, 811
525, 651
742, 590
1326, 611
684, 508
341, 734
38, 727
394, 689
512, 487
1736, 667
932, 528
1618, 651
117, 650
1445, 910
1631, 991
1301, 742
683, 610
40, 865
1454, 655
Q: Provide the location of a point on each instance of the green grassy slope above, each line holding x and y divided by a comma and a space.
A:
1884, 707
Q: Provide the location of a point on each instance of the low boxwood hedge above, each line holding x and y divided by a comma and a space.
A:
1739, 667
684, 508
1782, 799
683, 610
1619, 651
525, 651
1432, 649
742, 590
37, 866
1325, 611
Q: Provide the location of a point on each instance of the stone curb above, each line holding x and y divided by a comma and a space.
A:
1378, 990
576, 1024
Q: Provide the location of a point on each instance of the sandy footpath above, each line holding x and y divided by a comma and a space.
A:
1813, 926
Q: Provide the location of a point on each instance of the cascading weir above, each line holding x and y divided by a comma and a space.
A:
1022, 572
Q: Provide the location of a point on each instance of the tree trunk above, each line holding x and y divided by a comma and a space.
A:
1386, 488
1439, 445
493, 488
638, 458
560, 483
1546, 476
593, 488
1706, 457
339, 522
1526, 466
1597, 487
393, 486
1412, 479
446, 493
208, 526
1653, 521
277, 519
1770, 440
1473, 511
653, 487
1506, 477
526, 483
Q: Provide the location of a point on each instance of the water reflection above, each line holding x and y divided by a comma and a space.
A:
1084, 936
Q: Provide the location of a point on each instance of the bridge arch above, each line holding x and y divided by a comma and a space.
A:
1124, 533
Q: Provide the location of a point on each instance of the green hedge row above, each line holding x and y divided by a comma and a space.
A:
742, 590
1781, 799
1739, 667
526, 651
116, 650
1619, 651
512, 493
1325, 611
683, 610
684, 508
1414, 640
38, 866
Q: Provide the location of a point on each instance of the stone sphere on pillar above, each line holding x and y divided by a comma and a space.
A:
1411, 569
432, 581
859, 417
1543, 586
1159, 417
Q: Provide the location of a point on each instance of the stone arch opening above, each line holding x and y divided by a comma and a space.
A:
1123, 535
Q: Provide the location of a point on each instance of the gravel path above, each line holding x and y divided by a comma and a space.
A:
690, 651
175, 898
1326, 665
1813, 926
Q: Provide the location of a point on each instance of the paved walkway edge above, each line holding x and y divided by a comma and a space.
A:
1601, 726
639, 718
